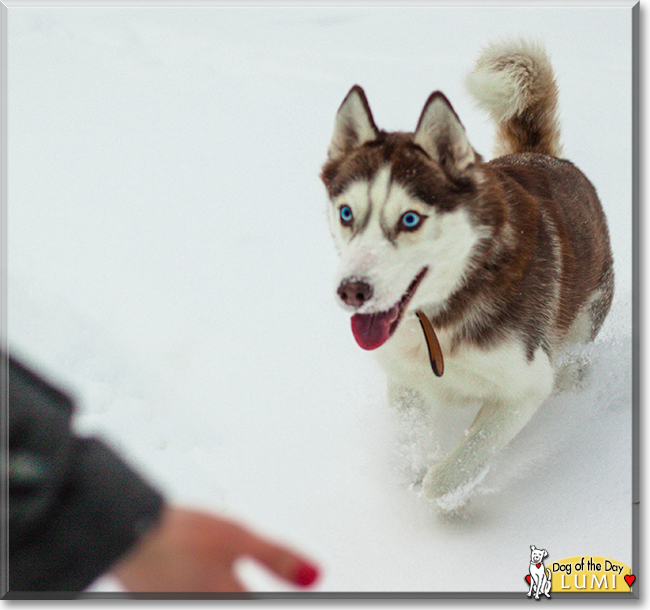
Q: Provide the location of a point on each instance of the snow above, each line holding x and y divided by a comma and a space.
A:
170, 264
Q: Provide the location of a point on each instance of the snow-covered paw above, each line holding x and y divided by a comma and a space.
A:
449, 487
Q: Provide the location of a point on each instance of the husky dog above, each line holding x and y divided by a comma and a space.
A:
507, 260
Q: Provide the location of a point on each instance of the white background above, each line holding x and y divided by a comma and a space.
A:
169, 263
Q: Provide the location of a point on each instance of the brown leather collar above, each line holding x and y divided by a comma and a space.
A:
435, 353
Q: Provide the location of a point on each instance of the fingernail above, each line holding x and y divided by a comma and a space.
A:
306, 574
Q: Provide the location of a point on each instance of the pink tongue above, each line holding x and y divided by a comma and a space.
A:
373, 329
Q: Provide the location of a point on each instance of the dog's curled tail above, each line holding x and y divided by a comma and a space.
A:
514, 82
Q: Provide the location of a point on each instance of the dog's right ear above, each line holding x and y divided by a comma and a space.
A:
354, 124
442, 136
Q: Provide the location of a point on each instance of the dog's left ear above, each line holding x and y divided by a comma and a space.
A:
442, 136
354, 125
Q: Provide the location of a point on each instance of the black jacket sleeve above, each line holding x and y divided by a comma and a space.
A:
74, 506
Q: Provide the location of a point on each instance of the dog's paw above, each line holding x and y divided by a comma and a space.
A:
449, 487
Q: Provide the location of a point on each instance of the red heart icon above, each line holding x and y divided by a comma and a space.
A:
539, 564
629, 579
528, 578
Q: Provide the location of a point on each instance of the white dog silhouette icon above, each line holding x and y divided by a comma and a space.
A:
539, 581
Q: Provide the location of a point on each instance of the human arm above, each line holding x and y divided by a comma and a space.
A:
77, 510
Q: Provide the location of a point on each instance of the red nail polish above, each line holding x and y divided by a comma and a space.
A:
306, 574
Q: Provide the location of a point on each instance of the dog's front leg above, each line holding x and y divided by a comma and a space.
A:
516, 386
451, 482
532, 582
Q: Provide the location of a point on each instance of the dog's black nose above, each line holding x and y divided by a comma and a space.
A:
354, 293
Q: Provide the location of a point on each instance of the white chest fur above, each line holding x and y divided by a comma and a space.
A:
498, 373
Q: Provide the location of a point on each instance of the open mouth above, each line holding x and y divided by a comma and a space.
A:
372, 330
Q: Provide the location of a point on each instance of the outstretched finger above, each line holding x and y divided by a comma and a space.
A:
281, 561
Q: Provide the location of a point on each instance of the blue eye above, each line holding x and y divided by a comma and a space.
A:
346, 215
411, 221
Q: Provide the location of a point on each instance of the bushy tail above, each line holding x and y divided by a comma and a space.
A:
514, 82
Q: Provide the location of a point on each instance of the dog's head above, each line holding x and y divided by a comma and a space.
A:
405, 213
537, 555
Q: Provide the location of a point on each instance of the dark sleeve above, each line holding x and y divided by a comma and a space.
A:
74, 506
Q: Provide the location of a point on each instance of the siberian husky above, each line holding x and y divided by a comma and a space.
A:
502, 263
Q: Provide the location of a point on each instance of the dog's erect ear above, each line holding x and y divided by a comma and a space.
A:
545, 553
442, 136
353, 125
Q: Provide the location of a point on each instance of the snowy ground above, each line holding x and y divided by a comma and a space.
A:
170, 264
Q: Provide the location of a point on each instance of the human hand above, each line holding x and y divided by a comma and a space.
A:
192, 551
